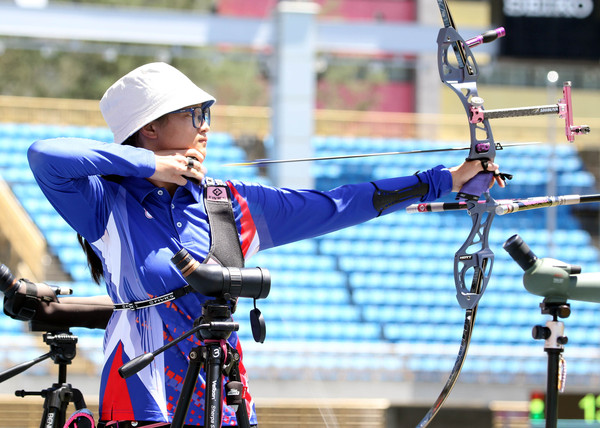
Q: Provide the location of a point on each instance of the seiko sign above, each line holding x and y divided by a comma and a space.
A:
549, 29
579, 9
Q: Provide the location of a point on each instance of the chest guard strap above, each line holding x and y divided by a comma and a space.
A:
225, 246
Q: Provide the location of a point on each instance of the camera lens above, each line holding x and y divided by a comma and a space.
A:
7, 281
520, 252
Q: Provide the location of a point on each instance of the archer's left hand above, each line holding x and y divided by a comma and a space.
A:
468, 169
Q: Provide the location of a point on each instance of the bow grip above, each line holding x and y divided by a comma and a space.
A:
476, 186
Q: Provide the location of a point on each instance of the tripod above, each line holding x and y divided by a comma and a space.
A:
56, 398
216, 356
553, 334
213, 328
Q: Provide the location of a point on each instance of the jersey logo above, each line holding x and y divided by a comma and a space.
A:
216, 194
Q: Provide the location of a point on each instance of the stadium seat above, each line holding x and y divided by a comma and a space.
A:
387, 281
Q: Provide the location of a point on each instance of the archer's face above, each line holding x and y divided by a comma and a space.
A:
177, 132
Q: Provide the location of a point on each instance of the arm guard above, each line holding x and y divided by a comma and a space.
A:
383, 199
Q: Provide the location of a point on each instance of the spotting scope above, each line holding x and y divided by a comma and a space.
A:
553, 279
217, 281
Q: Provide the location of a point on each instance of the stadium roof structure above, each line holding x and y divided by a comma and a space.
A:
183, 28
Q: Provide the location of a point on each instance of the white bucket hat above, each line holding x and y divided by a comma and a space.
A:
145, 94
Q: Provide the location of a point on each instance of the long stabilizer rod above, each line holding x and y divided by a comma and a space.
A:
507, 206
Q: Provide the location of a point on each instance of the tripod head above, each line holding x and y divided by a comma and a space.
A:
214, 311
62, 345
553, 279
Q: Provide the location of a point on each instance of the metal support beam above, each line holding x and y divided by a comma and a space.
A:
293, 90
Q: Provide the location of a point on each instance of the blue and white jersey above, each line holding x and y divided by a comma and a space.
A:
135, 228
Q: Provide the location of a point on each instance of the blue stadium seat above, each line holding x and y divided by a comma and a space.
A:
389, 280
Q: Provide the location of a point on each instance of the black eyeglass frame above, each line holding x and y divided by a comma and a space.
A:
205, 115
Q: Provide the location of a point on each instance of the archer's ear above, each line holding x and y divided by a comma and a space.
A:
149, 130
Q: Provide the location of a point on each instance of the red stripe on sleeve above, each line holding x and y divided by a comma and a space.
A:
248, 228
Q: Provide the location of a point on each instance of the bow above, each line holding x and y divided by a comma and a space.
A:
475, 256
462, 79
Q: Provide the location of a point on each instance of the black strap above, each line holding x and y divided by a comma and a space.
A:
132, 306
383, 199
225, 248
225, 245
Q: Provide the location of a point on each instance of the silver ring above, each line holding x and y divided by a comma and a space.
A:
190, 163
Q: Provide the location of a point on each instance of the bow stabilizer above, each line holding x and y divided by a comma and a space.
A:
508, 206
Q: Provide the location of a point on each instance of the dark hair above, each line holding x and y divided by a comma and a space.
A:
93, 261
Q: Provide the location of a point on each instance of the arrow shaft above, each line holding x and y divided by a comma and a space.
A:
262, 162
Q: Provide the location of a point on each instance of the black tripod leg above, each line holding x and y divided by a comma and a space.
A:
189, 384
213, 411
48, 418
552, 388
56, 402
241, 414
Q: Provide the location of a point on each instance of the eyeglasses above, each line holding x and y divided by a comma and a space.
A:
199, 115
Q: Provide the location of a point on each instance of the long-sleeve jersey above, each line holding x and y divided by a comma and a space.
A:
135, 228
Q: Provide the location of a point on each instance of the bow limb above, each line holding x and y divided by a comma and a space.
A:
460, 359
475, 254
465, 260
